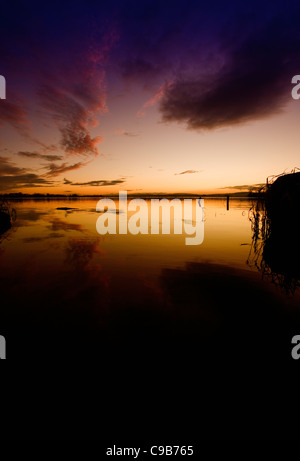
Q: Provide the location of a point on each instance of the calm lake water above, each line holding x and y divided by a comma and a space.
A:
59, 276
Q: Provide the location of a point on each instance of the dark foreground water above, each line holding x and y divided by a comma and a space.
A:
208, 314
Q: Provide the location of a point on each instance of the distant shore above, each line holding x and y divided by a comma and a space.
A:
21, 196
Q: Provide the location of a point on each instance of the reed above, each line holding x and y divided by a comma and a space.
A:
275, 249
7, 216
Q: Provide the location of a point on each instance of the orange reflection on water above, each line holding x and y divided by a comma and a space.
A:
58, 274
44, 232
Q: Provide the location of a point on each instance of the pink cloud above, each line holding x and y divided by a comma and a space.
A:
154, 99
13, 114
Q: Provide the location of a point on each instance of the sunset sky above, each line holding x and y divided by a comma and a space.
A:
147, 96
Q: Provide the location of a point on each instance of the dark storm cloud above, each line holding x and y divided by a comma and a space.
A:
253, 82
100, 182
49, 157
221, 64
